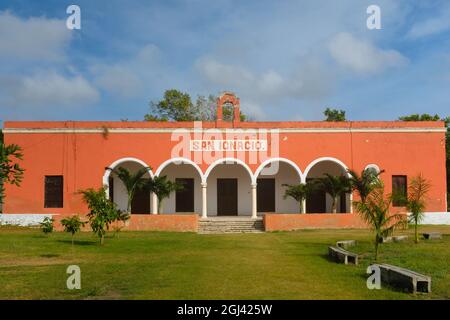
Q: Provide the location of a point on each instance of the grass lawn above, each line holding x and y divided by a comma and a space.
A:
157, 265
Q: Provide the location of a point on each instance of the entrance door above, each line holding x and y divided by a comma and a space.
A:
316, 201
343, 203
266, 195
227, 197
184, 199
141, 202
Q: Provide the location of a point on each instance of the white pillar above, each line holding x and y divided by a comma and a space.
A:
254, 202
204, 201
351, 203
304, 206
154, 203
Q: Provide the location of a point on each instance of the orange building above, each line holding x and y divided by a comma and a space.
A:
228, 168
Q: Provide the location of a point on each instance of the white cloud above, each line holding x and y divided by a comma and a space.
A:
253, 111
361, 56
118, 80
32, 39
430, 27
224, 74
307, 81
48, 89
128, 78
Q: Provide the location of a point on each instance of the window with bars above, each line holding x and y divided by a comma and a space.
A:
399, 191
53, 197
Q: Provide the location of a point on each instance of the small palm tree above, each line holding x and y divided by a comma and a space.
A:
162, 188
365, 182
335, 186
375, 212
132, 182
299, 192
415, 203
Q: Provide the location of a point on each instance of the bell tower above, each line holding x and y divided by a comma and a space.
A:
228, 98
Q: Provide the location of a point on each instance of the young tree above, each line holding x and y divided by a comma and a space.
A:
131, 181
365, 182
415, 203
375, 212
72, 225
298, 192
47, 225
335, 186
102, 212
334, 115
10, 170
162, 187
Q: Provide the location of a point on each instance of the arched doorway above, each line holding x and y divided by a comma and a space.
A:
318, 201
271, 177
187, 173
230, 188
117, 192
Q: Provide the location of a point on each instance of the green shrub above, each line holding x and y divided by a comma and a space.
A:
47, 225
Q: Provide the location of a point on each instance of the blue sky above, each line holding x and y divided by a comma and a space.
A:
286, 60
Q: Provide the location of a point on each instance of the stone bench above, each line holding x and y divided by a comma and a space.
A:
404, 279
346, 243
342, 256
394, 238
399, 238
432, 235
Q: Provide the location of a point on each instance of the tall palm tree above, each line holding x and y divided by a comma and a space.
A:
375, 212
131, 181
415, 203
335, 186
162, 188
365, 182
299, 192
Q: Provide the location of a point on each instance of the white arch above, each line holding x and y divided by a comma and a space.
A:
182, 161
373, 166
322, 159
118, 162
224, 161
291, 163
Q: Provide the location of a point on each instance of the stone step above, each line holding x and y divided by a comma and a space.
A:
230, 225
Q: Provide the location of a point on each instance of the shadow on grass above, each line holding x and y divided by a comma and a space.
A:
49, 255
79, 242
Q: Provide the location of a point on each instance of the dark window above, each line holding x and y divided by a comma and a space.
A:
399, 191
53, 197
184, 199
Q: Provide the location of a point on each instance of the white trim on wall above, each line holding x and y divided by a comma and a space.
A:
193, 130
180, 161
271, 160
228, 161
